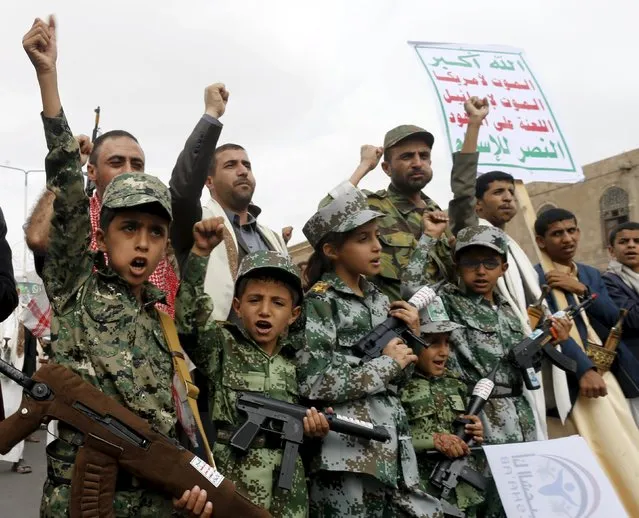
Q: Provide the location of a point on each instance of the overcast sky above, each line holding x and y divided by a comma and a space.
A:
309, 82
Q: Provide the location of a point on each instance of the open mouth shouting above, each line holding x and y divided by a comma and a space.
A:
138, 266
263, 327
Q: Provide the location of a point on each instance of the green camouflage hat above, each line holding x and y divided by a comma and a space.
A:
345, 209
133, 189
490, 237
399, 133
434, 319
270, 260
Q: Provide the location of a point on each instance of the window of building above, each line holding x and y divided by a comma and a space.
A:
613, 206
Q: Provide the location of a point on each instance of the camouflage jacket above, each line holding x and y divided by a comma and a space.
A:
489, 333
233, 362
329, 372
99, 330
432, 404
401, 229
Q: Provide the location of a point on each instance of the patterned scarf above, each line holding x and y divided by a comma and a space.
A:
164, 276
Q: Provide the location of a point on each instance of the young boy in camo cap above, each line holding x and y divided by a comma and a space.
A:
433, 399
257, 355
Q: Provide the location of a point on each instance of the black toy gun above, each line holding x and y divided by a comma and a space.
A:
372, 345
527, 354
449, 472
286, 419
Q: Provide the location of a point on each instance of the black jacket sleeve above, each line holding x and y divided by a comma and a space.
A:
8, 289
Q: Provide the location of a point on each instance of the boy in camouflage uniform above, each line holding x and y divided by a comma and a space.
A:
490, 329
105, 327
433, 399
352, 477
254, 356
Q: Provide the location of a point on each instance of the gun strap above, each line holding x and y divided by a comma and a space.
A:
172, 340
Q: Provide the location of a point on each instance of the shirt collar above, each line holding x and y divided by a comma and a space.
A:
402, 203
333, 280
253, 212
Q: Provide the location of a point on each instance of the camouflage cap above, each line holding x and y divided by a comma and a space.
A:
270, 260
344, 210
399, 133
133, 189
490, 237
434, 319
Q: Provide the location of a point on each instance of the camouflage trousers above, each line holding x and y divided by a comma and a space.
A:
256, 475
354, 495
126, 504
507, 420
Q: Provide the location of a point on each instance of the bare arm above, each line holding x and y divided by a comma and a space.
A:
36, 231
369, 158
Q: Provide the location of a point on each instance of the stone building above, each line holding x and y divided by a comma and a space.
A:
607, 196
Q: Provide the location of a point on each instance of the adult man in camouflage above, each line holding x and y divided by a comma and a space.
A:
242, 358
407, 161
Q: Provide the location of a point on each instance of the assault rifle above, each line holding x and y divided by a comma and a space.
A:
527, 354
114, 438
286, 419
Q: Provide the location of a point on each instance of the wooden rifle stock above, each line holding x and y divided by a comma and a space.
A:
115, 438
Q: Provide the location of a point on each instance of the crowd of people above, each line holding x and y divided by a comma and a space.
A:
248, 320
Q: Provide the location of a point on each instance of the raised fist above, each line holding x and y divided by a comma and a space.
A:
435, 223
207, 234
370, 155
86, 146
287, 233
477, 109
215, 98
41, 46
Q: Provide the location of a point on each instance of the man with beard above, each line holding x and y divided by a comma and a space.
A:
231, 183
407, 161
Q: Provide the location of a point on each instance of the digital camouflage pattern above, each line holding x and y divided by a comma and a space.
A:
133, 189
401, 230
489, 333
343, 210
480, 235
396, 135
329, 372
432, 404
232, 362
434, 319
99, 330
265, 260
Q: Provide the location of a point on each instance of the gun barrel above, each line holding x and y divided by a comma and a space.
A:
14, 374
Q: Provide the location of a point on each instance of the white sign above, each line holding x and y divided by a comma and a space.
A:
559, 478
521, 134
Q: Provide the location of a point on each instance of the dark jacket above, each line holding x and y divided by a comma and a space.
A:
8, 289
625, 297
603, 315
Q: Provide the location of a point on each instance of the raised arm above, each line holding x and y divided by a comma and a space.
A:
192, 168
193, 306
69, 261
369, 158
461, 209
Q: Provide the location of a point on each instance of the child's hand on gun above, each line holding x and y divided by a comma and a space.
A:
207, 234
406, 312
315, 424
561, 329
476, 429
450, 445
400, 352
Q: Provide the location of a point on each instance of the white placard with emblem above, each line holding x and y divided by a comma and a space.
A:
552, 479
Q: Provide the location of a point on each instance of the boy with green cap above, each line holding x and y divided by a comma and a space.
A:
433, 399
256, 355
105, 327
